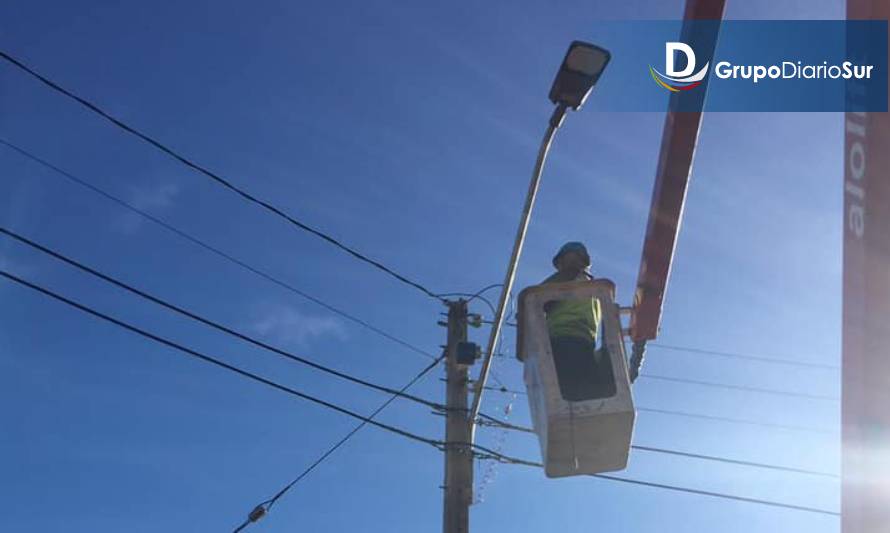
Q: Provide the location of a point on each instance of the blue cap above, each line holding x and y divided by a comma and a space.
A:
573, 246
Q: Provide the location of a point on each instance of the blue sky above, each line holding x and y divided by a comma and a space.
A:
409, 131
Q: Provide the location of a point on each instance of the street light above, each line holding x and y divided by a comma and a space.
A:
581, 68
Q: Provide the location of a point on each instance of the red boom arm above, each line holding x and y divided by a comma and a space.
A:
669, 194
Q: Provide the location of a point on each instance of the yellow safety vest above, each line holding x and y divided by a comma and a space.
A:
573, 318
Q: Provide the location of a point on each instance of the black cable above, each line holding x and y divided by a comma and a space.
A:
718, 495
476, 295
470, 297
215, 177
368, 420
267, 504
491, 421
735, 461
711, 384
762, 359
212, 324
208, 359
505, 390
488, 420
741, 387
731, 420
512, 460
216, 251
738, 420
736, 355
260, 510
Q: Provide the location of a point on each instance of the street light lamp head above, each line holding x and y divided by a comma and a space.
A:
581, 68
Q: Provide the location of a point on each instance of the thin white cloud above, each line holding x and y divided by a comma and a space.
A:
291, 327
147, 199
157, 198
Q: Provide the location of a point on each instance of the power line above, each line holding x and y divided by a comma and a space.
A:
206, 358
718, 495
317, 233
512, 460
476, 295
737, 420
382, 333
740, 387
750, 357
219, 327
260, 510
435, 443
488, 420
214, 176
735, 461
735, 355
219, 363
715, 418
216, 251
365, 420
714, 384
506, 390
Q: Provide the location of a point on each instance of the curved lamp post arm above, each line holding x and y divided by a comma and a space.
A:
555, 122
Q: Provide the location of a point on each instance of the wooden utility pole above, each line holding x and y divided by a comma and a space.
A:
458, 454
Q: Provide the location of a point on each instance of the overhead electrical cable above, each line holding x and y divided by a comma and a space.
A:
744, 388
219, 327
264, 507
713, 494
209, 359
749, 357
754, 464
214, 176
730, 355
486, 453
216, 251
217, 362
730, 420
487, 420
523, 462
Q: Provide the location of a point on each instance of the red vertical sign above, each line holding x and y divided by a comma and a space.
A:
865, 500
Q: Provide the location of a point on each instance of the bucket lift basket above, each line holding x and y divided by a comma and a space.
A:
591, 434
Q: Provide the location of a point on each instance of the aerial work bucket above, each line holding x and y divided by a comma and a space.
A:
571, 342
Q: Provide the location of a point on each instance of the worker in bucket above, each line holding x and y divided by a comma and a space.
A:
584, 373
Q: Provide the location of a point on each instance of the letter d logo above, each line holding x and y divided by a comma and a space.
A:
682, 80
669, 49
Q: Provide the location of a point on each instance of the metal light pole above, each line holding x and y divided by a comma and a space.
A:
580, 70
